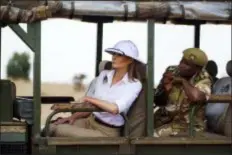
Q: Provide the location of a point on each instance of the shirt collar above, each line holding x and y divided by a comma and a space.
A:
110, 75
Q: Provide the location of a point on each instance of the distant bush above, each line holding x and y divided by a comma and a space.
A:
78, 82
18, 66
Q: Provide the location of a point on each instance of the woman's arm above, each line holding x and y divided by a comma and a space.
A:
193, 93
107, 106
80, 115
197, 93
123, 103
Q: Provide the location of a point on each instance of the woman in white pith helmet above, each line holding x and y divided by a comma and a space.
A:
115, 92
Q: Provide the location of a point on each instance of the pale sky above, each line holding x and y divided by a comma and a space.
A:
69, 46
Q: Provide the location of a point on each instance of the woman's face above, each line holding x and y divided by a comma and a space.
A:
120, 61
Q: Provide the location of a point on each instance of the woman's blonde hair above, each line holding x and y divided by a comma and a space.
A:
136, 70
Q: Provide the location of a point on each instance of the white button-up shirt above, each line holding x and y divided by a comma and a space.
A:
123, 94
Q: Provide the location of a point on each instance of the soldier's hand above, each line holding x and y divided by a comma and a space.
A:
167, 78
168, 75
168, 87
177, 80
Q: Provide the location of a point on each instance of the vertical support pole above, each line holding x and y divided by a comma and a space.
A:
197, 30
34, 31
150, 62
0, 51
99, 46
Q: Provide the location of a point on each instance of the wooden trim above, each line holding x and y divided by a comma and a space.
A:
10, 129
87, 141
181, 141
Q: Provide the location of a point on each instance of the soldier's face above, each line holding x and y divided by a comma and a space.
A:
120, 61
187, 69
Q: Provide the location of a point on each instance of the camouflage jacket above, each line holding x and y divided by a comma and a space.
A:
178, 104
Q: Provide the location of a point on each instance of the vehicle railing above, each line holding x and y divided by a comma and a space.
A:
213, 99
51, 99
59, 108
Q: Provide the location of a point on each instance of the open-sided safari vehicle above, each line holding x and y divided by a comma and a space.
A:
25, 137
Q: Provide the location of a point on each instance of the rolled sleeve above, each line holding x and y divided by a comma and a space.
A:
205, 87
129, 95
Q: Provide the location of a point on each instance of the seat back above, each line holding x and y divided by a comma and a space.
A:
227, 122
229, 68
137, 113
226, 125
7, 97
219, 114
212, 69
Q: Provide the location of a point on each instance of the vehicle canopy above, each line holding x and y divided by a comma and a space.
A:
179, 11
193, 12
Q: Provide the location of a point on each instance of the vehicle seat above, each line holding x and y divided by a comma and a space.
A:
137, 113
218, 115
12, 106
7, 98
212, 69
229, 68
136, 119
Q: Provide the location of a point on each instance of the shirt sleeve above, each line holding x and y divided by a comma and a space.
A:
130, 94
96, 82
91, 89
204, 86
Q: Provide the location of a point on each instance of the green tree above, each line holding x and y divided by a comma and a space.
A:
18, 66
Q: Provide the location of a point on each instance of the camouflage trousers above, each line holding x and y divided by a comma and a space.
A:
166, 125
85, 127
170, 129
162, 117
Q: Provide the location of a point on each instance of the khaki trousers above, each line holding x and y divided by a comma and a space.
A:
85, 127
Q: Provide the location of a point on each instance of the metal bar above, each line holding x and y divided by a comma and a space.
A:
99, 46
192, 122
22, 35
0, 51
150, 62
34, 31
197, 31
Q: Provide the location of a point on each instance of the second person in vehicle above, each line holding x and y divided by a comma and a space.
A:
181, 87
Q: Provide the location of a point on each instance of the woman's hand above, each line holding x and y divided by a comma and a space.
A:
178, 80
70, 120
88, 99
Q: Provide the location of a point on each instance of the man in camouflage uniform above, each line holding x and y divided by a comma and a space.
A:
182, 86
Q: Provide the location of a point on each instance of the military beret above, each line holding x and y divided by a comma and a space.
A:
196, 56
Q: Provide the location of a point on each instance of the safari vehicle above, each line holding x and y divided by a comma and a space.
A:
25, 137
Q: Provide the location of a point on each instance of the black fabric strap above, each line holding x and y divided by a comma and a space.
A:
230, 17
72, 10
126, 12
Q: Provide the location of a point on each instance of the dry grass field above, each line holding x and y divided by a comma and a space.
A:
48, 89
